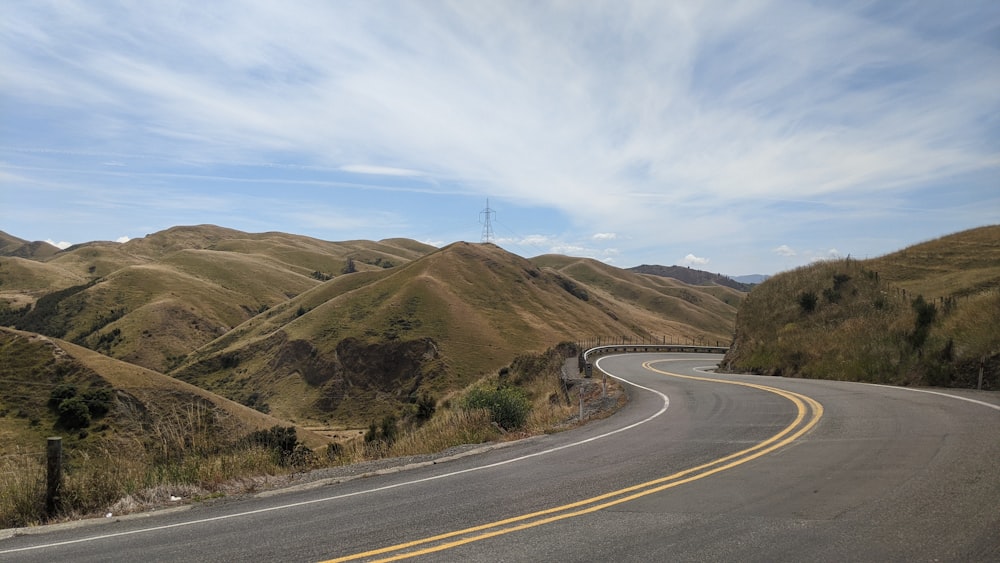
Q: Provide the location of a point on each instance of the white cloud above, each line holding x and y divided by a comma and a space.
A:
61, 245
122, 239
784, 250
831, 254
605, 236
692, 260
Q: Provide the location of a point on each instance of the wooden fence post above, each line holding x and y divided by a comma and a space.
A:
982, 364
53, 473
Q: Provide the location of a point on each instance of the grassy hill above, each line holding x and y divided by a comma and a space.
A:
13, 246
36, 365
130, 435
682, 311
925, 315
690, 276
370, 343
153, 300
337, 332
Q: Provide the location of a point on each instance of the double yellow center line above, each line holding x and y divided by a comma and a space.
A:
809, 411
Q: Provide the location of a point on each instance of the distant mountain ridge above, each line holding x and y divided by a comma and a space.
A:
751, 279
691, 276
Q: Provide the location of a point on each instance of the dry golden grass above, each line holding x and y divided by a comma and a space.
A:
479, 304
868, 328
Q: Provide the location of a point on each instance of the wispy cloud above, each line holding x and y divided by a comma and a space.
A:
785, 250
379, 170
648, 119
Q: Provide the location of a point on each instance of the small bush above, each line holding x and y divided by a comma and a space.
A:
508, 406
60, 393
386, 432
808, 300
98, 401
73, 414
281, 440
426, 405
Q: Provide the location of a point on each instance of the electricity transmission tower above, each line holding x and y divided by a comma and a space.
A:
485, 219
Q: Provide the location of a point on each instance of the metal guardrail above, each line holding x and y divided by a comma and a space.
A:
587, 367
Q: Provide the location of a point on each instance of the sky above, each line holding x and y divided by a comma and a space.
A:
734, 137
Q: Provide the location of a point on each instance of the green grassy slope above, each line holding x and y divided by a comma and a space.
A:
929, 314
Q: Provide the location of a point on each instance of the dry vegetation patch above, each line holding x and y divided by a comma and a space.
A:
928, 315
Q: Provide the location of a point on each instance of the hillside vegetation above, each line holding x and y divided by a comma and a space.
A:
365, 345
926, 315
126, 431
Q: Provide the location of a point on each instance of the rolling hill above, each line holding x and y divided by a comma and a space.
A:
147, 402
690, 276
361, 345
925, 315
13, 246
322, 333
153, 300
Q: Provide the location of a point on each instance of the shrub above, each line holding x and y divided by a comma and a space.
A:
926, 313
281, 440
386, 432
73, 414
426, 405
508, 406
807, 300
60, 393
98, 401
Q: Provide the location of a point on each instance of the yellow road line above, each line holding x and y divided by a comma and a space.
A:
804, 405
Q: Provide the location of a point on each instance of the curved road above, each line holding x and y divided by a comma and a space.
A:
697, 467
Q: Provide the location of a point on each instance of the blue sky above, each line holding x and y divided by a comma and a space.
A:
735, 137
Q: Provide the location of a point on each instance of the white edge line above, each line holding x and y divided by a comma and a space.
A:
897, 387
663, 409
929, 392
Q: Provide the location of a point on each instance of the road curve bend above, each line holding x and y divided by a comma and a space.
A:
698, 466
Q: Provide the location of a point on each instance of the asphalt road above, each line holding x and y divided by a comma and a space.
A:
740, 468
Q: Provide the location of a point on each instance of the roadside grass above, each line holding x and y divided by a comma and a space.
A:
186, 457
120, 480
